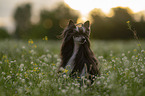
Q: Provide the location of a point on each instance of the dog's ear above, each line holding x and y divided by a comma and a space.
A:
71, 23
87, 24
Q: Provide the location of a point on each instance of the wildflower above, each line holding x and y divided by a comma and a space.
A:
30, 41
136, 55
23, 80
8, 76
128, 22
78, 77
123, 54
138, 44
134, 50
65, 71
53, 64
3, 73
4, 56
63, 91
61, 69
36, 92
20, 90
35, 46
64, 76
113, 57
88, 82
30, 83
36, 68
7, 61
21, 66
46, 38
142, 51
77, 91
23, 47
107, 73
98, 82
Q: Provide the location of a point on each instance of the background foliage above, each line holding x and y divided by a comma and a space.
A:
52, 23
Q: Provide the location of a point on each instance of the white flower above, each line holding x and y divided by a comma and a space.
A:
88, 82
49, 56
23, 47
64, 75
63, 91
10, 71
61, 69
23, 80
56, 56
98, 82
30, 83
21, 66
46, 59
142, 51
8, 77
85, 86
20, 90
72, 88
3, 73
100, 57
77, 91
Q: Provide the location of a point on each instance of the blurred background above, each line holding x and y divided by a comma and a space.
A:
36, 19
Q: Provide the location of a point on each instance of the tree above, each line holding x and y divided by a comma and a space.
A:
119, 19
3, 33
114, 27
98, 27
22, 18
54, 21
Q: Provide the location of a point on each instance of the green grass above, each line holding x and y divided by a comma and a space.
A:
29, 69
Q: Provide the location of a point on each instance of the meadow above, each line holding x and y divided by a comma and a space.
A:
28, 68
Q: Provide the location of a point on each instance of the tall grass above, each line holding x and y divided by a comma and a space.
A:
28, 68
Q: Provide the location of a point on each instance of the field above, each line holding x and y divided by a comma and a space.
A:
28, 68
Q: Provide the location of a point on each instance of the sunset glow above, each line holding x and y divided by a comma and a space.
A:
85, 6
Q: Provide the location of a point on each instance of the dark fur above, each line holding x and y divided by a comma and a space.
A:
84, 55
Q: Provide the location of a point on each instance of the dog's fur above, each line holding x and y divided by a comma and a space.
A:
76, 55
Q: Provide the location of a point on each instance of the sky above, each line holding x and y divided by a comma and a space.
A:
7, 7
106, 5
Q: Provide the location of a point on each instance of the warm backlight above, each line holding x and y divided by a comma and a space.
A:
85, 6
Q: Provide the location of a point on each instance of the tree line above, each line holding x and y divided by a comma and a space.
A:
53, 22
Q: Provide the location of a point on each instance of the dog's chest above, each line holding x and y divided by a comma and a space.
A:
70, 64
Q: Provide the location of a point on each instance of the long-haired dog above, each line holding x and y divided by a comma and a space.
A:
76, 55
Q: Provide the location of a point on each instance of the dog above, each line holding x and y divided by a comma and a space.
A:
76, 56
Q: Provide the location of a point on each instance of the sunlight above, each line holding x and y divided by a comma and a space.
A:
85, 6
80, 5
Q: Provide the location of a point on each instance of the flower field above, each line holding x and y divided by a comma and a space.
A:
28, 68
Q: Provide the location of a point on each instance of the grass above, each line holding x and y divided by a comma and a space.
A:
28, 68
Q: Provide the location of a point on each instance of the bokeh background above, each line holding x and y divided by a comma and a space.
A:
36, 19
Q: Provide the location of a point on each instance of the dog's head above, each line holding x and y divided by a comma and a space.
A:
79, 34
